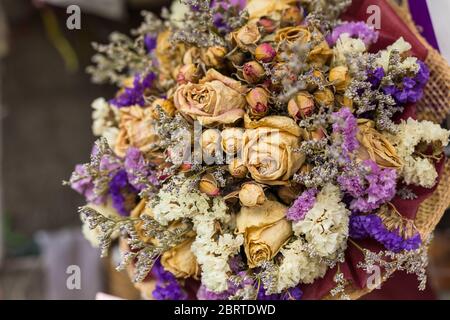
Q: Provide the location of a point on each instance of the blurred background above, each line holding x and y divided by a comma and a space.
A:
45, 98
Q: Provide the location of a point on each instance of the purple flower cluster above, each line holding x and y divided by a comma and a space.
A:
225, 5
167, 286
372, 226
85, 185
375, 76
290, 294
138, 170
411, 89
149, 42
358, 30
121, 191
135, 95
346, 126
302, 205
378, 188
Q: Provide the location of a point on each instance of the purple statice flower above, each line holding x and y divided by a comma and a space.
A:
375, 76
83, 183
302, 205
204, 294
167, 286
150, 42
120, 190
352, 184
225, 5
346, 126
290, 294
371, 226
380, 187
358, 30
410, 90
139, 172
135, 95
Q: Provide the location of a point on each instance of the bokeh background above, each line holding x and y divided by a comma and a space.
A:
45, 98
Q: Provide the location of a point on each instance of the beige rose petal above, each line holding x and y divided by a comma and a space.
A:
181, 261
259, 216
276, 122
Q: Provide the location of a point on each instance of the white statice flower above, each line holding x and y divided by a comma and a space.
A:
178, 10
346, 45
417, 170
298, 266
104, 120
409, 64
184, 202
106, 210
212, 253
325, 226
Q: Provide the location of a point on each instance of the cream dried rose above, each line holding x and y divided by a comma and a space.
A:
375, 146
216, 99
251, 194
137, 129
247, 36
181, 261
265, 231
260, 8
268, 149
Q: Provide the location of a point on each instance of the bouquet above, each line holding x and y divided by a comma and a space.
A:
259, 149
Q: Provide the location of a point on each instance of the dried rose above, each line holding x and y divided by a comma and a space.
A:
208, 185
265, 230
188, 73
260, 8
210, 142
247, 36
232, 140
181, 261
253, 72
292, 16
340, 78
251, 194
214, 56
291, 35
301, 106
324, 97
265, 52
216, 99
258, 102
321, 54
237, 168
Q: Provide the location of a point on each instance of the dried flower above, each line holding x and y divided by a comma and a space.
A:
292, 16
265, 52
253, 72
324, 97
214, 57
208, 185
188, 73
340, 78
258, 101
180, 261
232, 140
210, 142
291, 35
301, 106
247, 36
237, 168
251, 194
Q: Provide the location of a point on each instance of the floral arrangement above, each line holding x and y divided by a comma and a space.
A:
252, 143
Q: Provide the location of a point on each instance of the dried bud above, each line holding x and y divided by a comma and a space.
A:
316, 134
301, 106
237, 57
253, 72
267, 24
258, 101
252, 194
237, 168
166, 105
292, 16
340, 77
209, 185
247, 36
210, 142
265, 52
185, 167
232, 139
324, 97
344, 101
214, 56
188, 73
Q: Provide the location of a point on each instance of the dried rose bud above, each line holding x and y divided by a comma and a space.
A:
252, 194
340, 77
237, 168
324, 97
344, 101
267, 24
232, 139
258, 101
301, 106
253, 72
188, 73
210, 142
214, 56
265, 52
237, 57
247, 36
292, 16
208, 185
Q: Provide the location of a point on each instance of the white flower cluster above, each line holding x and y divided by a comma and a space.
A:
322, 234
325, 226
401, 46
298, 266
418, 170
346, 45
104, 118
212, 251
